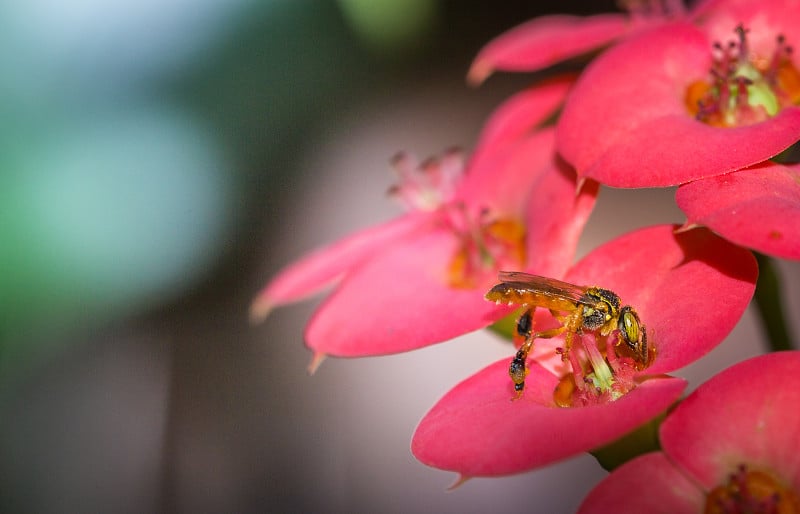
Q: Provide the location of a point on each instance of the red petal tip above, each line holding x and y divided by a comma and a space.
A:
579, 186
259, 310
478, 73
316, 360
686, 227
458, 483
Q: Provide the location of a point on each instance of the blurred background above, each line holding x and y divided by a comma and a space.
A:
160, 161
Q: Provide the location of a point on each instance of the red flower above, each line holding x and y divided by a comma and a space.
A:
689, 290
419, 279
547, 40
758, 207
667, 107
731, 446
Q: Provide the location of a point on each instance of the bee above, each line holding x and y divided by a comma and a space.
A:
578, 308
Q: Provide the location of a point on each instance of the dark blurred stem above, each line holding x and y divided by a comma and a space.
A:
769, 305
638, 442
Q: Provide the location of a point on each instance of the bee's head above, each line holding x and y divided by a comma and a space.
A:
601, 306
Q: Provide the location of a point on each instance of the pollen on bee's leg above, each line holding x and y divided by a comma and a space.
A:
518, 371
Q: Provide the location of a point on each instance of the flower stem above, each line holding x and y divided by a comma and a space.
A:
638, 442
769, 305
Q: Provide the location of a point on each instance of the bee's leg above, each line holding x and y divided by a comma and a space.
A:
572, 325
518, 370
525, 326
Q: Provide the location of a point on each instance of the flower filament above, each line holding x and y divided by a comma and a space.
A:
484, 245
428, 185
484, 240
599, 375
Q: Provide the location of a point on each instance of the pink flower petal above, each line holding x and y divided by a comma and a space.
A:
325, 266
530, 170
476, 430
689, 289
763, 20
556, 216
757, 207
649, 483
504, 182
498, 152
544, 41
625, 123
519, 114
747, 414
398, 300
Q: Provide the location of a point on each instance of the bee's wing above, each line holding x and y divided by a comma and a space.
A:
517, 286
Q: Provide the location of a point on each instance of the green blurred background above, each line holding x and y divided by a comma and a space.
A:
159, 161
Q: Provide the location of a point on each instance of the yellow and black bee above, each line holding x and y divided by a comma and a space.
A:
578, 308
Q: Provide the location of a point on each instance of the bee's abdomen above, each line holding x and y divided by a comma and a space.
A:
506, 293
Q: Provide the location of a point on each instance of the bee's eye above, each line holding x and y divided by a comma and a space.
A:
629, 328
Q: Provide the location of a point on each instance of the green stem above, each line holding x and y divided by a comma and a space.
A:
769, 305
642, 440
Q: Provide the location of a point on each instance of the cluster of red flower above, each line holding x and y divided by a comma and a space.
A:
701, 99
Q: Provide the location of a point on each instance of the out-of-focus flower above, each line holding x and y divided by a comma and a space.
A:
547, 40
689, 289
731, 446
758, 207
419, 279
686, 101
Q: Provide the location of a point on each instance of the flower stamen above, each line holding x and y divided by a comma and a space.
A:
744, 88
485, 242
752, 491
485, 245
428, 185
600, 377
